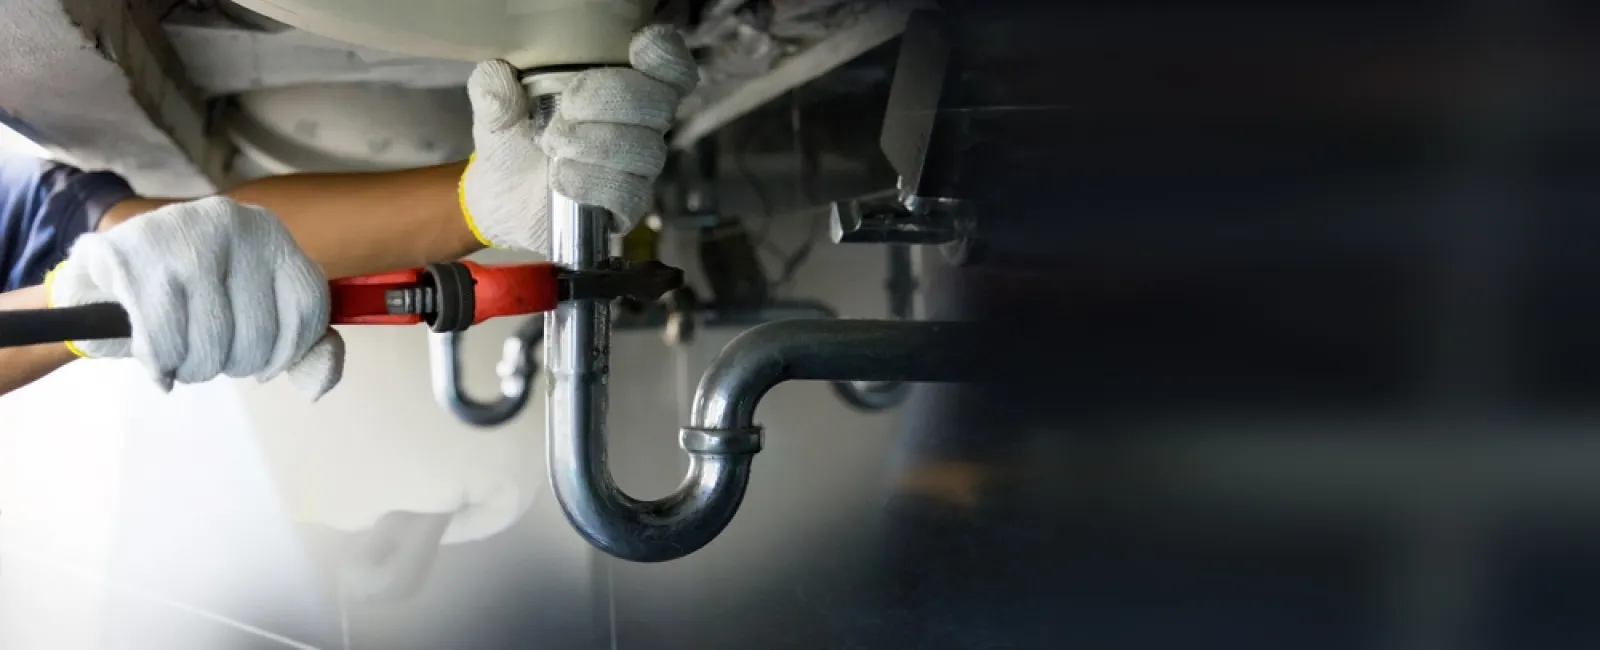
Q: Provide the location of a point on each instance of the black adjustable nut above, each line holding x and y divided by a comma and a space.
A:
456, 304
444, 300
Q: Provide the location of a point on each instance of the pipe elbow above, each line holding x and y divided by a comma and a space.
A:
741, 374
832, 350
722, 437
721, 440
664, 529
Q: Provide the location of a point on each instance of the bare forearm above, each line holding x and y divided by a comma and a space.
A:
357, 223
22, 366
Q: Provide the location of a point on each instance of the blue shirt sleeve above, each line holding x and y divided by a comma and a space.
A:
44, 206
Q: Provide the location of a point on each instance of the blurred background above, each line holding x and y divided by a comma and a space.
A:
1296, 304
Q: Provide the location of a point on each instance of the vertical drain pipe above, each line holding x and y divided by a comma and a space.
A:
577, 357
577, 333
577, 341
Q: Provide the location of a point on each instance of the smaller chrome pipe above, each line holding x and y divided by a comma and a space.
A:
517, 369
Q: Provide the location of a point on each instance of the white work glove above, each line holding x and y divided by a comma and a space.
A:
211, 288
604, 147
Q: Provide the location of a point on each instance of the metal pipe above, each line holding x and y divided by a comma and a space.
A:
516, 369
577, 355
830, 350
722, 437
714, 317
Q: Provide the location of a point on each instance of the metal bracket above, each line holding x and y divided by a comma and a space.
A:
922, 142
910, 121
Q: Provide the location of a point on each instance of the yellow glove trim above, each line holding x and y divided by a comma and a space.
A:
48, 279
461, 198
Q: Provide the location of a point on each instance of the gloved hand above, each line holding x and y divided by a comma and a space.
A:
211, 288
605, 145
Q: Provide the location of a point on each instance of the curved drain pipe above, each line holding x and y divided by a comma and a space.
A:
722, 437
516, 369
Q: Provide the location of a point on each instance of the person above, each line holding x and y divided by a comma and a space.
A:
236, 284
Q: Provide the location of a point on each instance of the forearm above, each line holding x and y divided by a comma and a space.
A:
350, 224
21, 366
357, 223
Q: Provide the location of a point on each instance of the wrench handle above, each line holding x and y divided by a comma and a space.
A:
104, 320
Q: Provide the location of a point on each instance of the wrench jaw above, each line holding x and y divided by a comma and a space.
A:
645, 281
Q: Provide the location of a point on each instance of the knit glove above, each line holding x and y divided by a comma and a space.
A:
605, 146
211, 288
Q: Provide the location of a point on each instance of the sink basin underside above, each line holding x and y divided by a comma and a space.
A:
528, 33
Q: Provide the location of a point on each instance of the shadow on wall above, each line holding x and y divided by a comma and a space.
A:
117, 517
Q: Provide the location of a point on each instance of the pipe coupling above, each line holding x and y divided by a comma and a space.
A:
721, 442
